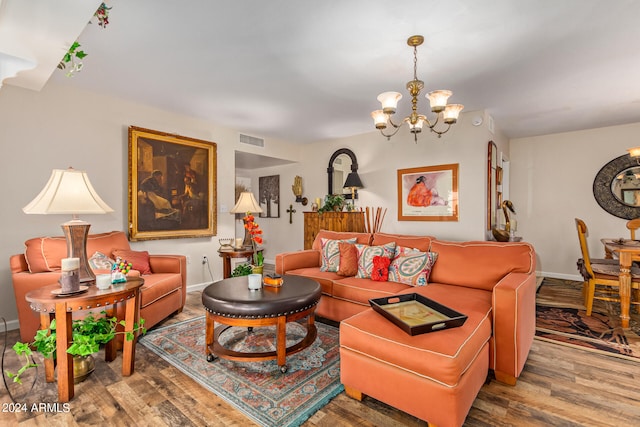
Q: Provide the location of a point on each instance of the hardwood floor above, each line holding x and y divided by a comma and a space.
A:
560, 386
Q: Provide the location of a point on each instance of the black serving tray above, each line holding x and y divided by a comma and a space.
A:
416, 314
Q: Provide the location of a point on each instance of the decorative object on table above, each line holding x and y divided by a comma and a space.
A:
238, 243
269, 196
225, 243
332, 203
256, 239
255, 281
428, 193
246, 204
69, 277
291, 211
70, 192
297, 190
103, 281
120, 270
378, 218
504, 234
314, 207
274, 280
172, 186
88, 334
438, 100
353, 183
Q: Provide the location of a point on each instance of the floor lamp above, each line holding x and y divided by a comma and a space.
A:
247, 204
70, 192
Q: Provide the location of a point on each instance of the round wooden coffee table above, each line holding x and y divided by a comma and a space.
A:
231, 303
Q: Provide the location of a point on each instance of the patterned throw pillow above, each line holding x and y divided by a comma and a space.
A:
366, 254
412, 267
348, 259
139, 259
380, 272
331, 253
100, 261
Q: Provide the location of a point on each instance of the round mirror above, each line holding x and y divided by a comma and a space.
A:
616, 187
342, 162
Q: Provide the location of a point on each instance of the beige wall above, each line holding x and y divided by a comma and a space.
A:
552, 183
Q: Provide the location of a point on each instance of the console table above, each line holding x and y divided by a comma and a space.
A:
332, 221
227, 253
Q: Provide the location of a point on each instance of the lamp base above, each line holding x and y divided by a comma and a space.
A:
76, 232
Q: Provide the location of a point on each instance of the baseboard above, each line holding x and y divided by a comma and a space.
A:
11, 325
575, 277
197, 286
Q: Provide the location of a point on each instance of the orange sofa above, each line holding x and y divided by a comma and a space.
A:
163, 292
434, 376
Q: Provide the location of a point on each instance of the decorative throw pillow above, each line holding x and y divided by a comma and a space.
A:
348, 259
366, 254
412, 268
100, 261
331, 253
139, 259
380, 272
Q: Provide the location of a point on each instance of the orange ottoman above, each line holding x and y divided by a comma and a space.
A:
434, 376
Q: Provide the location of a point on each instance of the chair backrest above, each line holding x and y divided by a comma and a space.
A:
584, 249
633, 225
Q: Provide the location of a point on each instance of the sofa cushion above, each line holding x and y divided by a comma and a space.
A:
421, 243
360, 291
380, 271
473, 264
441, 356
348, 259
362, 238
138, 259
99, 261
412, 267
366, 254
330, 253
45, 253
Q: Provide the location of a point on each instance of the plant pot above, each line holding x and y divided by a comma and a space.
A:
83, 366
257, 269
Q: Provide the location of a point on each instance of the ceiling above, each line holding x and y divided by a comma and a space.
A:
306, 71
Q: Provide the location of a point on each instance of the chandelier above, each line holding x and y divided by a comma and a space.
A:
438, 100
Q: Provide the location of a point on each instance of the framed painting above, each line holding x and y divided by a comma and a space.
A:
172, 186
269, 193
428, 193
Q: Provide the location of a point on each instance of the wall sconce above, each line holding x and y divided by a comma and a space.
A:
297, 190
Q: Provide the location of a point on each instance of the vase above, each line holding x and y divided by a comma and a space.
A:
83, 366
257, 269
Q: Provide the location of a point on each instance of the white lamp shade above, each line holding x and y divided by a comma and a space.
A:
451, 113
417, 126
379, 118
389, 101
438, 99
246, 204
67, 192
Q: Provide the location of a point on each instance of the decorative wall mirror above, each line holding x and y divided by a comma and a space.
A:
494, 185
342, 162
616, 187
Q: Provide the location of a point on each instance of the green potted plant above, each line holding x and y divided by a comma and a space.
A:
88, 335
332, 202
242, 270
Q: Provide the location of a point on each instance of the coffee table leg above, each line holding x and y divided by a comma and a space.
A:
209, 333
281, 343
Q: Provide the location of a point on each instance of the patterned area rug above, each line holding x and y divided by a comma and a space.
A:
257, 389
561, 318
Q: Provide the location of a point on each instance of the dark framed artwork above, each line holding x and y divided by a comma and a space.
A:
172, 186
269, 194
428, 193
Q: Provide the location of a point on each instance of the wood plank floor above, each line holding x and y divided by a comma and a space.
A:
560, 386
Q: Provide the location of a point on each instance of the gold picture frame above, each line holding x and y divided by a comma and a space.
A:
428, 193
172, 186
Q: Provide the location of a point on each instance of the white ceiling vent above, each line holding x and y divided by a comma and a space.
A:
251, 140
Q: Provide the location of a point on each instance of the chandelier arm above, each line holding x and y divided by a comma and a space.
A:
395, 125
388, 136
440, 133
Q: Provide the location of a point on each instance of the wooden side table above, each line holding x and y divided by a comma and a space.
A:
227, 253
51, 306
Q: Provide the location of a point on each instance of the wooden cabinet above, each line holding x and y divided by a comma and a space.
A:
333, 221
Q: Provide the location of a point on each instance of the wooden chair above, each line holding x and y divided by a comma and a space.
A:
633, 225
601, 281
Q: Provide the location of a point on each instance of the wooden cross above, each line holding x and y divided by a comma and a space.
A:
291, 211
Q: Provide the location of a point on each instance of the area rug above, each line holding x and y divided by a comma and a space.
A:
561, 318
257, 389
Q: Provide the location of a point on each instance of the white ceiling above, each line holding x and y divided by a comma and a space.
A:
311, 70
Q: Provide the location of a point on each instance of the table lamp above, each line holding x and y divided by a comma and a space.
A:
70, 192
353, 183
247, 204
